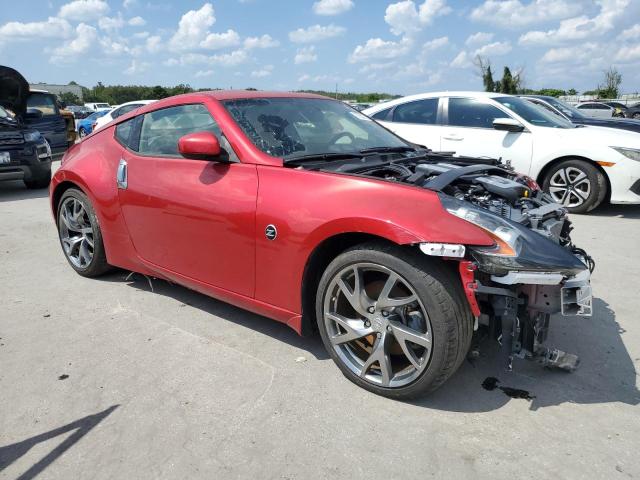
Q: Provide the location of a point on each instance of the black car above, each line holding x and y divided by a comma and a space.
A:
577, 117
78, 111
633, 111
24, 153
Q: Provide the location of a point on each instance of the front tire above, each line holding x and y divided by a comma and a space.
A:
82, 132
576, 184
394, 322
80, 234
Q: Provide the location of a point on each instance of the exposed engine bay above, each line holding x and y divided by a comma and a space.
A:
533, 272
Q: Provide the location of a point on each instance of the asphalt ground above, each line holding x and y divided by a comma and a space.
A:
109, 379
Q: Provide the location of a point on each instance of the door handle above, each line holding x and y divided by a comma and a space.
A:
121, 175
453, 136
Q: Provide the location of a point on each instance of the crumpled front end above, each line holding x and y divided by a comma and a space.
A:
531, 273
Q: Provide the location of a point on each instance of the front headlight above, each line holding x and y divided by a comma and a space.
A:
631, 153
507, 239
31, 136
516, 247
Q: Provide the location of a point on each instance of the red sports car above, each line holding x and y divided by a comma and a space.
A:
302, 209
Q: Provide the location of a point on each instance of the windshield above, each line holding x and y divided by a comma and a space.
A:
292, 127
568, 110
44, 102
533, 114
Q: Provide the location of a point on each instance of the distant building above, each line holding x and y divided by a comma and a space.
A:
58, 89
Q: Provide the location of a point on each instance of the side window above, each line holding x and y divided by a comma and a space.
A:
123, 132
586, 106
161, 129
468, 112
382, 115
543, 105
125, 109
421, 111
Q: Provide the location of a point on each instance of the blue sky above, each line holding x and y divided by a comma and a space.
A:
362, 45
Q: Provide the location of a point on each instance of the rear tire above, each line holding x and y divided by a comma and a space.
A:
576, 184
80, 234
38, 182
82, 132
396, 335
636, 116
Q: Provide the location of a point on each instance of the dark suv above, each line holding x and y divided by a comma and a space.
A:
25, 153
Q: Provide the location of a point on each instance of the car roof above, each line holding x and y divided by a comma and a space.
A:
242, 94
420, 96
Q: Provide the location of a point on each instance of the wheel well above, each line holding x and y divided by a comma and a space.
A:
58, 192
552, 163
317, 262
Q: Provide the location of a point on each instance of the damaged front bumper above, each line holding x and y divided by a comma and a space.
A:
515, 309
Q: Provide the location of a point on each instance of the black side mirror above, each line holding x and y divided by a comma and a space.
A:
508, 125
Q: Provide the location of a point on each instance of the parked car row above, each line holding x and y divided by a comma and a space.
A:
578, 166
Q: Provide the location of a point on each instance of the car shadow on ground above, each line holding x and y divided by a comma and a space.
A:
620, 211
227, 312
16, 190
11, 453
607, 373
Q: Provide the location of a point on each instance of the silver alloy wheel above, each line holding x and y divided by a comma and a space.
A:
377, 325
76, 232
82, 132
570, 186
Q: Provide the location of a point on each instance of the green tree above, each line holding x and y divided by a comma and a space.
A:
69, 98
611, 85
572, 91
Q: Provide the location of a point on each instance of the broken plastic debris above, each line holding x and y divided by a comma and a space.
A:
301, 359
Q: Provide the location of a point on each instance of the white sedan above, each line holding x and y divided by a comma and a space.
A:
596, 109
580, 166
118, 111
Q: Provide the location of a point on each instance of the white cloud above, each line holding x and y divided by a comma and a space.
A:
319, 78
129, 3
579, 28
137, 22
494, 49
332, 7
137, 67
435, 44
375, 67
86, 36
83, 10
515, 13
315, 33
265, 41
143, 34
215, 41
154, 44
570, 55
204, 73
376, 48
111, 24
461, 60
305, 55
405, 18
263, 72
632, 33
232, 59
114, 48
629, 53
479, 38
53, 27
193, 28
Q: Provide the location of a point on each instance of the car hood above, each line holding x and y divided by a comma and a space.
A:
14, 90
590, 135
626, 123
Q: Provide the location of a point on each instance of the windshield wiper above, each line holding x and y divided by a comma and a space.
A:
387, 150
322, 156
